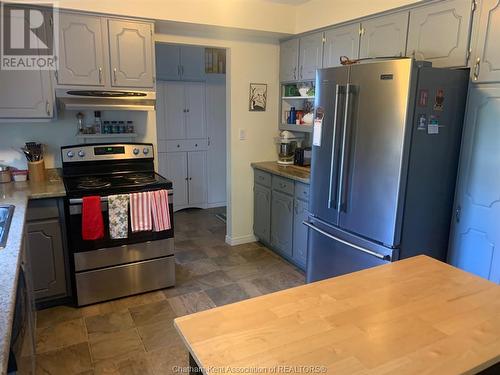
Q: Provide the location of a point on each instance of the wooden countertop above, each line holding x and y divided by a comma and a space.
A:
294, 172
413, 316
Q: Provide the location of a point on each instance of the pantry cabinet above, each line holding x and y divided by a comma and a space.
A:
384, 36
180, 62
485, 62
105, 52
475, 238
82, 33
340, 41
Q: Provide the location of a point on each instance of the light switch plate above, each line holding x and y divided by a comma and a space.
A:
243, 134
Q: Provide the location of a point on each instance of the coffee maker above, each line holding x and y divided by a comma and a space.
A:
287, 143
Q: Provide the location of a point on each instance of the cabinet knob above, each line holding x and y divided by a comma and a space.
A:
190, 178
196, 145
114, 75
178, 146
100, 75
476, 69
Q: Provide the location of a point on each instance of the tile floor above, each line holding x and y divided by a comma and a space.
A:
135, 335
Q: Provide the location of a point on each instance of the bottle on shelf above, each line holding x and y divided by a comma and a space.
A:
97, 122
293, 116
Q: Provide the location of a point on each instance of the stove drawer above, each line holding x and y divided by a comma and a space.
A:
125, 280
112, 256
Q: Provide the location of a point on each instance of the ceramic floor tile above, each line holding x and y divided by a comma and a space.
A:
60, 335
227, 294
160, 334
201, 267
190, 256
58, 314
140, 299
212, 280
190, 303
229, 260
135, 364
107, 323
173, 360
73, 359
97, 309
152, 313
115, 346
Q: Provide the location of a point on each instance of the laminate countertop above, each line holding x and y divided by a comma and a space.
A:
18, 194
294, 172
414, 316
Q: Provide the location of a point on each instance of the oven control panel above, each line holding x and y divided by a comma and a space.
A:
115, 151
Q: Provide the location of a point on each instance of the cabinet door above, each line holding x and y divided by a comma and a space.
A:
173, 110
197, 174
192, 63
168, 62
439, 33
310, 55
262, 213
475, 237
289, 59
384, 36
131, 53
282, 222
340, 41
46, 254
26, 94
196, 126
300, 232
173, 165
81, 50
486, 63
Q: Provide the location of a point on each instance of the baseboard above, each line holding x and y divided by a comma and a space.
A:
216, 204
233, 241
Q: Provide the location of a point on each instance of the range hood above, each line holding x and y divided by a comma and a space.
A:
101, 100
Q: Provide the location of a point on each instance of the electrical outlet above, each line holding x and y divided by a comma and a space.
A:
243, 134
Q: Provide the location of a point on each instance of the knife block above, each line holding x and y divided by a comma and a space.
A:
36, 171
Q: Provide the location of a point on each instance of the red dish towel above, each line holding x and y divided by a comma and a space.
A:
92, 223
140, 212
159, 207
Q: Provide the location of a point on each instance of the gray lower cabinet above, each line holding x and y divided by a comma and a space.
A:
280, 208
282, 223
262, 213
46, 250
300, 232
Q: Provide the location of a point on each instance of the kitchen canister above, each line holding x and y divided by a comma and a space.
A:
5, 174
36, 171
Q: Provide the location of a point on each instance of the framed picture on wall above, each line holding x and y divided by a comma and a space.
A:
258, 97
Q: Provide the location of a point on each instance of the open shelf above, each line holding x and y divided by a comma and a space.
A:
105, 136
297, 128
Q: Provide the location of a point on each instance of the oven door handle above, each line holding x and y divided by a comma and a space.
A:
105, 199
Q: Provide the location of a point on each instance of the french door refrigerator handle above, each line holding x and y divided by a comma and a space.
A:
362, 249
341, 204
332, 160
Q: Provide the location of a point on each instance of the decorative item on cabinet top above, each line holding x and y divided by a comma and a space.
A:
215, 60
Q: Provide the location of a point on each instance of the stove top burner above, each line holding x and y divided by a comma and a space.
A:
140, 178
92, 183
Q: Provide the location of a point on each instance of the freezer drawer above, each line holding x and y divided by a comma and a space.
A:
124, 280
333, 253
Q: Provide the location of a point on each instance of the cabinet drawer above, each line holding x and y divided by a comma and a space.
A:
186, 145
283, 184
301, 191
40, 209
262, 178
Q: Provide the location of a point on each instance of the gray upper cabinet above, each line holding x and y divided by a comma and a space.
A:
486, 55
384, 36
289, 58
310, 55
340, 41
82, 53
282, 222
131, 53
439, 33
179, 62
167, 62
35, 102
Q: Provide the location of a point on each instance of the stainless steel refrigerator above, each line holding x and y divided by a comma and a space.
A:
385, 153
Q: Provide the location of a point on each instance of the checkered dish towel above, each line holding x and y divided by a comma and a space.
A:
118, 216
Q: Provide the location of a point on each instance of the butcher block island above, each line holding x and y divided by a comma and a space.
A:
415, 316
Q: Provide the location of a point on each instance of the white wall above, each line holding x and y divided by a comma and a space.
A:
62, 132
247, 61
